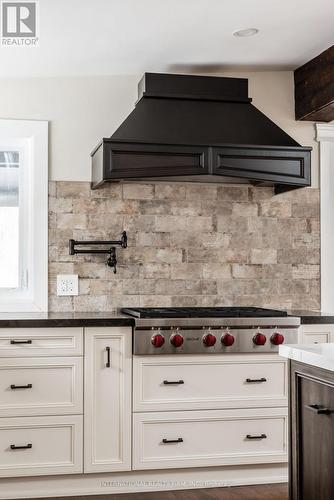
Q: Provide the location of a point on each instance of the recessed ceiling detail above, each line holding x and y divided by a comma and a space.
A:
127, 37
246, 32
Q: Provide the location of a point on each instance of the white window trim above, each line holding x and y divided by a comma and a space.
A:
325, 136
35, 296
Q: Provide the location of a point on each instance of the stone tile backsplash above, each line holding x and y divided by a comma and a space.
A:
189, 245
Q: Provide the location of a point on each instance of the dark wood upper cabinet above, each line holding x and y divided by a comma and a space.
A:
311, 433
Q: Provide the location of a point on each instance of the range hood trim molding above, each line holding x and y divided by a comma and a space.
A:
215, 145
192, 87
285, 168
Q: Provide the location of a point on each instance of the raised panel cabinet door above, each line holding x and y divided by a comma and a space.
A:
312, 434
107, 428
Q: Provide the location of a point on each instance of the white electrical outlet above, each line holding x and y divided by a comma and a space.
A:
67, 284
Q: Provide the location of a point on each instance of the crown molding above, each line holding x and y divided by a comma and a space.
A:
324, 131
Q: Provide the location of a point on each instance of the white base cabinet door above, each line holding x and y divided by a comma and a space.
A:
107, 427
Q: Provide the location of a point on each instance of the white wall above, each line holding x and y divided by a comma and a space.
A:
83, 110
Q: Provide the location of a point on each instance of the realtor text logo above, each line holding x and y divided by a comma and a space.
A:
19, 23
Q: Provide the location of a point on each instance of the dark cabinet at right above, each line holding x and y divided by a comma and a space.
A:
311, 433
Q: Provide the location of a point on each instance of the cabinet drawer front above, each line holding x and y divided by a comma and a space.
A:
219, 382
317, 334
203, 438
15, 342
40, 386
316, 338
40, 445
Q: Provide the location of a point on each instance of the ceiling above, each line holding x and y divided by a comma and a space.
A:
106, 37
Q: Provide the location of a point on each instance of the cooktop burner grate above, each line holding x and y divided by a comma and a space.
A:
202, 312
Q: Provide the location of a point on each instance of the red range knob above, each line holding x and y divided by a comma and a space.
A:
209, 340
227, 339
277, 338
158, 340
259, 339
176, 340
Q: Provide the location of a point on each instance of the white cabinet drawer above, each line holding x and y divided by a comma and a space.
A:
317, 338
40, 386
221, 381
317, 334
209, 438
42, 445
18, 342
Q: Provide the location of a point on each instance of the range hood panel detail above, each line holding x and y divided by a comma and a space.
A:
195, 130
289, 166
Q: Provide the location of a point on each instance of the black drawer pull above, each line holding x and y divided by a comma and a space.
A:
260, 436
28, 386
108, 357
173, 382
26, 447
178, 440
256, 380
319, 410
17, 342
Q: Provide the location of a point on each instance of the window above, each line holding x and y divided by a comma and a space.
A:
23, 215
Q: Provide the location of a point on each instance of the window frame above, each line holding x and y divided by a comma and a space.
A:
32, 296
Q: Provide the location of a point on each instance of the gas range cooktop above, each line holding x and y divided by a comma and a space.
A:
202, 312
211, 330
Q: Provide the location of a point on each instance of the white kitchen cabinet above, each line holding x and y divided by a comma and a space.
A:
317, 334
41, 401
31, 446
193, 382
209, 438
108, 374
41, 386
26, 342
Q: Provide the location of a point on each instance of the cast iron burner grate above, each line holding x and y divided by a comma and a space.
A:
202, 312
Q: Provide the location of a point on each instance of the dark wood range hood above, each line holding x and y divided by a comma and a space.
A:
199, 129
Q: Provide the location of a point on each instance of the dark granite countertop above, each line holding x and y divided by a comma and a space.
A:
314, 317
62, 319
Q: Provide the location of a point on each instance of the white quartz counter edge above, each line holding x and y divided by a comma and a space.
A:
320, 355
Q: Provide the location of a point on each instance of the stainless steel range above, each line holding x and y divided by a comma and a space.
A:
211, 330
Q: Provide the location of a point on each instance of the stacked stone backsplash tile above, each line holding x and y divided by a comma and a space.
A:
189, 245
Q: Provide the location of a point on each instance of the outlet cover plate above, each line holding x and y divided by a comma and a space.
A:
67, 284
